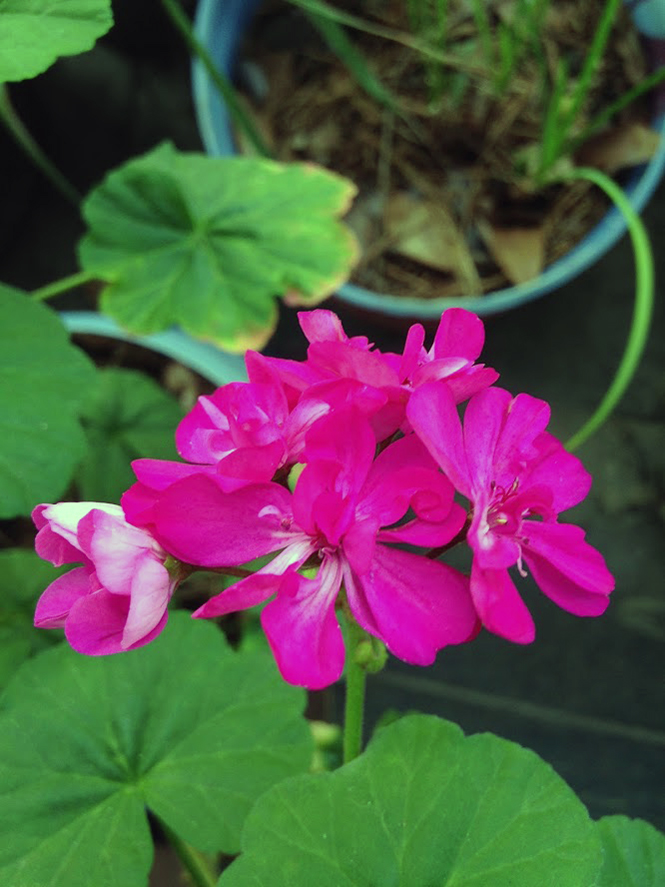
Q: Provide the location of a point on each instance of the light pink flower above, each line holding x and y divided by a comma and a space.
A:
117, 599
344, 509
518, 478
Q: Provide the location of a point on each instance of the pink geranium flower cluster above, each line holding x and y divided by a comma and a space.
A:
327, 465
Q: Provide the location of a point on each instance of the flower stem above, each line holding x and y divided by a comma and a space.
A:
354, 706
62, 285
220, 80
193, 861
642, 309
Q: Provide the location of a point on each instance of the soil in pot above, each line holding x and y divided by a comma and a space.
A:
447, 204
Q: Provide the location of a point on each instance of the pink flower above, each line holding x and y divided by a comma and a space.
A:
333, 356
334, 527
518, 479
117, 599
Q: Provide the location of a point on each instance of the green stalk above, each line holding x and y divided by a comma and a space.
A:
222, 83
642, 309
62, 285
619, 104
354, 704
24, 139
592, 61
194, 862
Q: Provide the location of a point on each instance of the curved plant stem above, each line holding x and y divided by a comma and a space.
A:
222, 83
192, 860
62, 285
354, 705
643, 305
22, 136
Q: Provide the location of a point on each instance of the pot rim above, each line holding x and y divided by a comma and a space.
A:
228, 18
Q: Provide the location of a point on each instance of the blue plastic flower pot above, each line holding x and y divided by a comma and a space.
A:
215, 365
220, 25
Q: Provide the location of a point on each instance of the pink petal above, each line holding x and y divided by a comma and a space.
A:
158, 474
460, 332
96, 624
114, 546
57, 540
483, 424
321, 325
563, 546
525, 418
302, 628
344, 437
560, 471
57, 600
404, 475
434, 418
414, 605
342, 359
425, 533
151, 589
502, 611
413, 351
200, 524
257, 588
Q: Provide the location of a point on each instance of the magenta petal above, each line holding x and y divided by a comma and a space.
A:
413, 351
200, 524
159, 474
466, 383
57, 600
96, 623
414, 605
525, 418
558, 470
321, 325
425, 533
242, 595
483, 424
433, 415
460, 332
564, 547
499, 605
151, 589
302, 628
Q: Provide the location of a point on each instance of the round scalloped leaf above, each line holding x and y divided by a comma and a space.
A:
424, 805
127, 416
43, 381
23, 577
634, 853
34, 33
184, 727
209, 242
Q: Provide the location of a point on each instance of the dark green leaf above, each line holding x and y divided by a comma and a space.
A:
43, 380
23, 577
184, 726
127, 416
634, 853
34, 33
424, 806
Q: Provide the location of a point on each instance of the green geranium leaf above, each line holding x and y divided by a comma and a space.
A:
127, 416
423, 806
209, 242
634, 853
43, 380
34, 33
184, 726
23, 577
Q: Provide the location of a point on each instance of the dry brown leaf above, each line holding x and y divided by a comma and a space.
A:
519, 252
425, 231
619, 148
